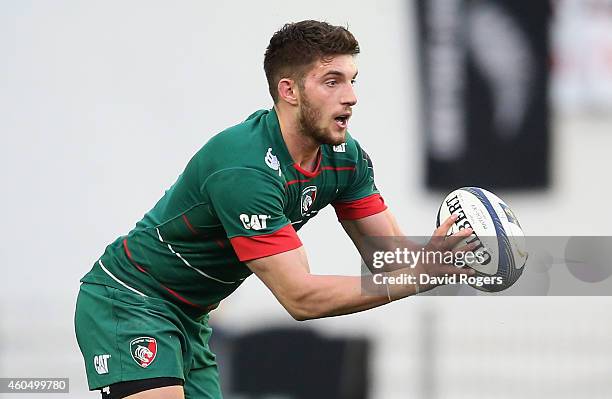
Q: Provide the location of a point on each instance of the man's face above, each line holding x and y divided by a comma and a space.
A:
326, 98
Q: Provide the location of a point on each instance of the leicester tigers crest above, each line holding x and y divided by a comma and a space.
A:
144, 350
309, 194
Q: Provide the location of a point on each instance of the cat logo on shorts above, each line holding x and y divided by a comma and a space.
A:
143, 350
309, 194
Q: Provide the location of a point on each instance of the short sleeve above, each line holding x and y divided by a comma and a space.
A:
249, 205
361, 198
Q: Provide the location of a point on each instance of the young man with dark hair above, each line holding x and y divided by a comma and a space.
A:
142, 311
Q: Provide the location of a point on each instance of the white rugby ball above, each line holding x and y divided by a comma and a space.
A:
502, 251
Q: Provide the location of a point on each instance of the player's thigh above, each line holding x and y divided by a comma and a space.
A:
173, 392
125, 337
203, 383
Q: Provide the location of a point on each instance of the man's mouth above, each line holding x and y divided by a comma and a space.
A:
342, 120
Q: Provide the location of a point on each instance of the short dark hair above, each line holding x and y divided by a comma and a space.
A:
298, 45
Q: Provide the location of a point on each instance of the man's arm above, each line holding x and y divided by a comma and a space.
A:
386, 232
307, 296
388, 237
382, 224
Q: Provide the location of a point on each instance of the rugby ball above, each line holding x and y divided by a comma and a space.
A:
501, 251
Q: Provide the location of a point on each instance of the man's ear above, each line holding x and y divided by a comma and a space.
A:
288, 91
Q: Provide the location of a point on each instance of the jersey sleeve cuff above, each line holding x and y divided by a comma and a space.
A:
368, 206
254, 247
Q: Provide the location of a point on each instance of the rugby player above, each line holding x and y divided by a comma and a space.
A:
142, 311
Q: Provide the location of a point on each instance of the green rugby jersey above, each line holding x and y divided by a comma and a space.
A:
241, 197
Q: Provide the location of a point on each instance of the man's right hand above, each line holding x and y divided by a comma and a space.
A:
443, 244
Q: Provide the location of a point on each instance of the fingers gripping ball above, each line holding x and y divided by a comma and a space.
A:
497, 236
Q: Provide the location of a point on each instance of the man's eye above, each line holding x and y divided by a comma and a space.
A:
353, 81
331, 83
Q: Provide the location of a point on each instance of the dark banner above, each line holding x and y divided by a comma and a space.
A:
485, 73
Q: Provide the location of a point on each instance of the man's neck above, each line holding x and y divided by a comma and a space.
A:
303, 150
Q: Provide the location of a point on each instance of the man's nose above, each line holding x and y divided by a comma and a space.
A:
349, 97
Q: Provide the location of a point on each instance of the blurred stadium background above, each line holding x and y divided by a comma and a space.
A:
103, 103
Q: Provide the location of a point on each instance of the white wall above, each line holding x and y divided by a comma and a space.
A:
102, 104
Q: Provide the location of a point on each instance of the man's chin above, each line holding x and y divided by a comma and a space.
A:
330, 137
337, 137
